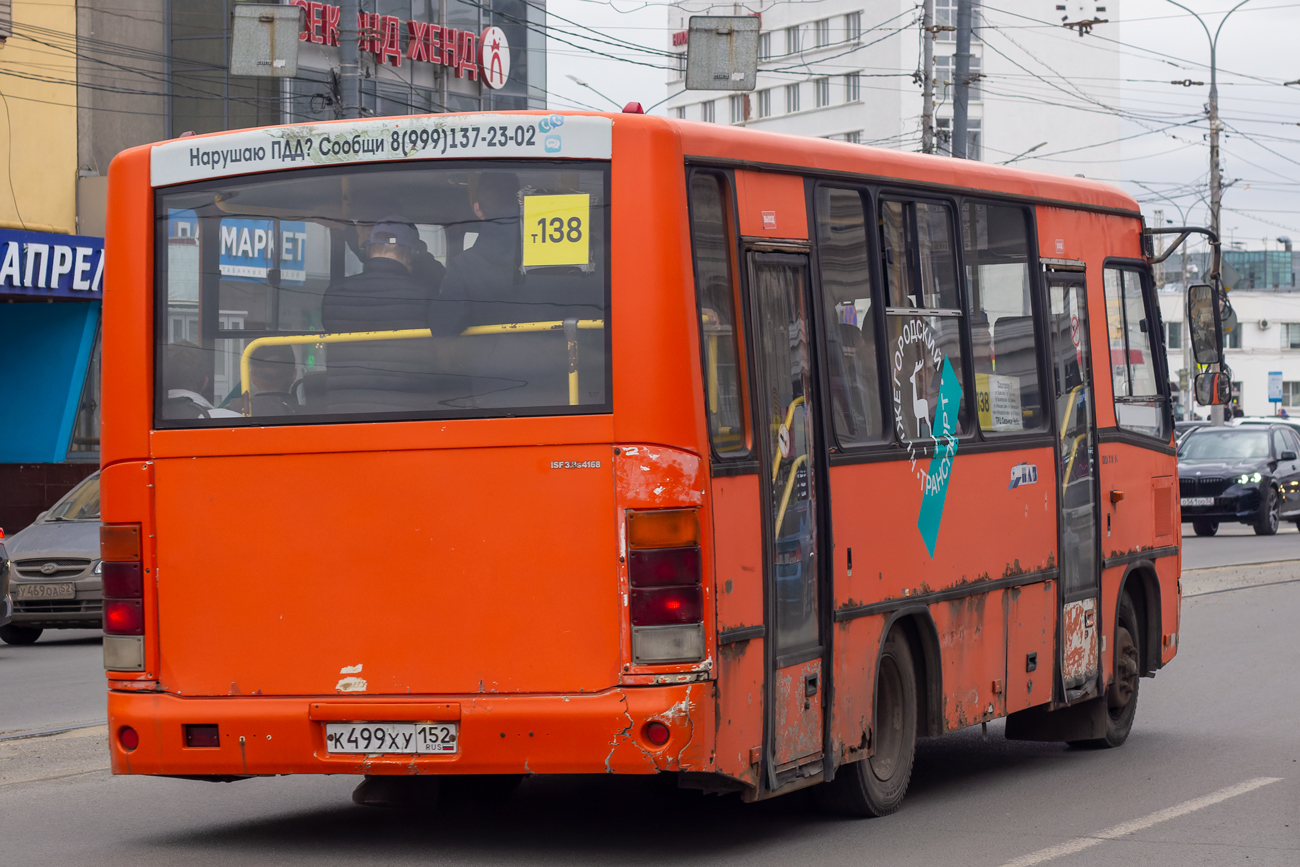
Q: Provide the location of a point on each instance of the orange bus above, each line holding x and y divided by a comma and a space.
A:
527, 443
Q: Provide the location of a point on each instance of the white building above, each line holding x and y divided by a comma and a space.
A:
1266, 339
850, 70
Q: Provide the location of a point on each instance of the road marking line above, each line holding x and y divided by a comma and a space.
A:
41, 733
1078, 844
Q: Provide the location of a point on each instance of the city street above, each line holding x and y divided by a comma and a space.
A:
1210, 775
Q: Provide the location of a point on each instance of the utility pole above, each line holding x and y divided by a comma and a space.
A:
927, 70
1216, 176
349, 59
961, 74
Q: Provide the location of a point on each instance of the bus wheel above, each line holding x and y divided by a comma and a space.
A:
1122, 695
876, 785
1206, 527
385, 790
1270, 512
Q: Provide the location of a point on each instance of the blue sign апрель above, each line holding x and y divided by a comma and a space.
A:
51, 266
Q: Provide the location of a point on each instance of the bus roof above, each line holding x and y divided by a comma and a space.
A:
724, 144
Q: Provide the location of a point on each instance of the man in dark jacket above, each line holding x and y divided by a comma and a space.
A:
380, 375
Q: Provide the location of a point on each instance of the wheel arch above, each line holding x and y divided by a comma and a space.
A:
922, 637
1142, 585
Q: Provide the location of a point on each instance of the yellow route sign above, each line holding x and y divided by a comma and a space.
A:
556, 230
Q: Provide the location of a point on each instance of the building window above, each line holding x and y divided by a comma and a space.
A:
1232, 339
680, 112
1291, 394
706, 112
974, 135
765, 46
765, 103
945, 15
792, 103
792, 40
679, 69
853, 26
822, 92
822, 33
1174, 335
739, 108
946, 74
85, 429
204, 96
6, 19
852, 87
854, 137
1291, 335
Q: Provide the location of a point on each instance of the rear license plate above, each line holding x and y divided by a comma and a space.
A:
45, 591
1198, 501
389, 737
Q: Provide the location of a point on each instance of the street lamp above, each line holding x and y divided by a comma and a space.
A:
1216, 180
578, 81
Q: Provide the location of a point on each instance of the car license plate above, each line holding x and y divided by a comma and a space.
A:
45, 591
390, 737
1198, 501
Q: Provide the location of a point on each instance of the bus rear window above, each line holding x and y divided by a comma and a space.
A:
383, 293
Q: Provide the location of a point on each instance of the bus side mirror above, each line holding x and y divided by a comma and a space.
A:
1205, 326
1214, 388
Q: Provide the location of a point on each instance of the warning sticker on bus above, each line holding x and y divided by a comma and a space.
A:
555, 230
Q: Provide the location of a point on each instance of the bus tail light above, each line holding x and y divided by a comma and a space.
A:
122, 574
666, 594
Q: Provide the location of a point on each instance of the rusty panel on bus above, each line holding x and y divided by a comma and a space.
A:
466, 571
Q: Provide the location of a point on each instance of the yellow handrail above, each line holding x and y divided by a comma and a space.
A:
785, 496
245, 357
789, 417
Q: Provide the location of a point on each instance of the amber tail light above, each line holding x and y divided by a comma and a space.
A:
666, 594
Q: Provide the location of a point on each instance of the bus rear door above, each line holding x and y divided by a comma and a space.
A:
786, 409
1076, 482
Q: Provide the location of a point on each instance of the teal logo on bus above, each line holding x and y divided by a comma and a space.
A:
936, 479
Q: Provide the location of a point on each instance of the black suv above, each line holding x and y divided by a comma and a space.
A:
1248, 474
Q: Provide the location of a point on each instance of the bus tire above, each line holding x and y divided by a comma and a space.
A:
1270, 512
875, 786
1206, 527
12, 633
1122, 694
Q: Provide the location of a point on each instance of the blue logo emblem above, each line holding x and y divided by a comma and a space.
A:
547, 124
1023, 474
552, 144
936, 481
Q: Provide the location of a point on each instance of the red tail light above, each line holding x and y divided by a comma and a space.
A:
128, 737
203, 735
123, 617
123, 581
664, 567
665, 605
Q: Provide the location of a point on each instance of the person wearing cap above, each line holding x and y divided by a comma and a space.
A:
380, 376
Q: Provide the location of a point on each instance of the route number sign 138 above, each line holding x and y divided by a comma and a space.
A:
556, 230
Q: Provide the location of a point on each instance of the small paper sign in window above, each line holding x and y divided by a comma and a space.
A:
556, 230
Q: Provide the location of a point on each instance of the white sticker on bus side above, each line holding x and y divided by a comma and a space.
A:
430, 137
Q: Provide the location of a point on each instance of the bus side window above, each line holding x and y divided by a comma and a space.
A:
845, 276
923, 320
1129, 326
1003, 342
723, 382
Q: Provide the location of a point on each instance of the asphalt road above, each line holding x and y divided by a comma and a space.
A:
1236, 544
1209, 776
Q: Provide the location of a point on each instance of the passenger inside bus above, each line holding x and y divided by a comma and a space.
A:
379, 375
187, 371
272, 371
483, 280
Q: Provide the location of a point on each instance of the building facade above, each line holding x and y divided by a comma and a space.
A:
851, 70
87, 79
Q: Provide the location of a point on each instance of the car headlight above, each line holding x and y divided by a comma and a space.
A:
99, 567
1249, 478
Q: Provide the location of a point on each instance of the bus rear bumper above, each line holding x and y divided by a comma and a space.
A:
567, 734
